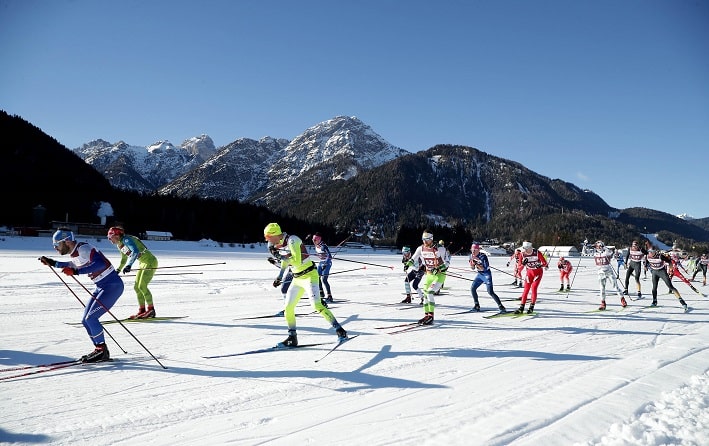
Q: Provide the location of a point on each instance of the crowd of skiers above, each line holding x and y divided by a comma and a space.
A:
425, 271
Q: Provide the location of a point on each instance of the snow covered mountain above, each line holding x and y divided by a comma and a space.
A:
233, 173
145, 169
247, 170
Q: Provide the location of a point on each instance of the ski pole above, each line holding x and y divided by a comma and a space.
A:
84, 305
166, 274
365, 263
181, 266
346, 271
115, 318
505, 272
456, 276
341, 245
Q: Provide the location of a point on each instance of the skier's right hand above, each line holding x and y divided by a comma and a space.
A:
276, 283
273, 261
508, 263
48, 261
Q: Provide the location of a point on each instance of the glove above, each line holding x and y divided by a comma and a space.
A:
276, 283
443, 268
48, 261
508, 263
273, 261
69, 271
525, 261
126, 270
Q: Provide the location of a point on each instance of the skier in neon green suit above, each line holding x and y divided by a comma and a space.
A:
133, 249
293, 254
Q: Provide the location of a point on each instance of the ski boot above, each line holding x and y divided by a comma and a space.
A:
603, 305
623, 302
426, 320
290, 342
147, 314
476, 307
141, 310
520, 310
99, 354
531, 309
341, 334
407, 300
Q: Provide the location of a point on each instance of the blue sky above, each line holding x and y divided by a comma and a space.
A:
612, 96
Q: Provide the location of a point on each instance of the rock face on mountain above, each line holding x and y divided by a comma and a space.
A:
145, 169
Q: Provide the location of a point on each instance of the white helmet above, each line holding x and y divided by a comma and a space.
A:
426, 236
527, 245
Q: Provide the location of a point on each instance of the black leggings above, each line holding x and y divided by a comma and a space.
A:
701, 267
658, 274
634, 269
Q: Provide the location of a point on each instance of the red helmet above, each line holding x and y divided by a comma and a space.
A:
115, 231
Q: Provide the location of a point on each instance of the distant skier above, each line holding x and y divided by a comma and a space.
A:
323, 253
702, 263
620, 259
414, 270
433, 257
602, 257
516, 259
534, 264
565, 269
636, 259
659, 263
132, 249
479, 262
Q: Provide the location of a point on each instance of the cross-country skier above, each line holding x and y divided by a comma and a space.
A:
702, 265
433, 257
323, 253
305, 280
636, 259
606, 274
132, 249
565, 269
516, 258
659, 263
414, 271
86, 259
534, 264
479, 262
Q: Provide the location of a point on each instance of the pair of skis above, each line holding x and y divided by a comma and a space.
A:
276, 348
403, 328
24, 371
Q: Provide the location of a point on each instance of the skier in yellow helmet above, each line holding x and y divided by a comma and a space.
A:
293, 254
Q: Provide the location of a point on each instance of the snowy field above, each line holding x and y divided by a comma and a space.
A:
568, 376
